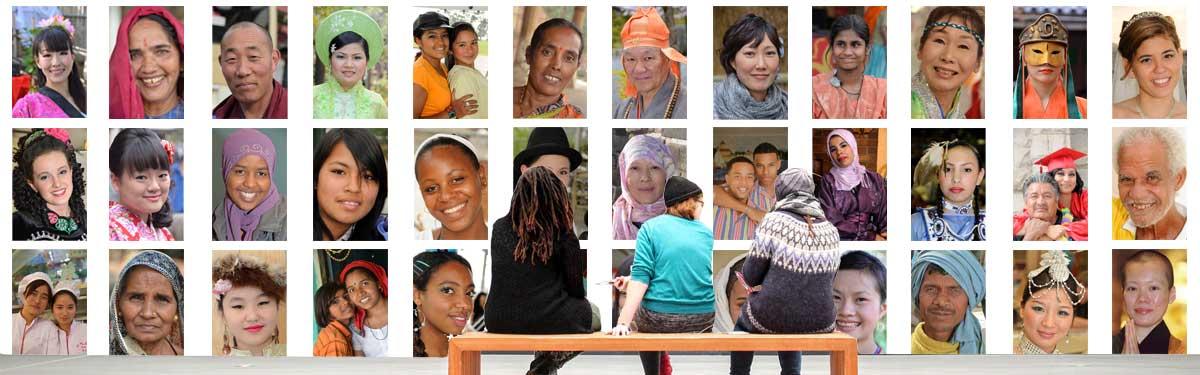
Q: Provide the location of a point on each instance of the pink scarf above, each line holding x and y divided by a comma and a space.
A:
627, 210
847, 178
125, 100
239, 144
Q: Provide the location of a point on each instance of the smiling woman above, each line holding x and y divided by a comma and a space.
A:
48, 188
453, 185
950, 56
253, 207
146, 66
350, 178
348, 43
139, 164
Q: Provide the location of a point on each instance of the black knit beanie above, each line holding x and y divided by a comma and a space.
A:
680, 189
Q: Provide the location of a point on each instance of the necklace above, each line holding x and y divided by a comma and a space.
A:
372, 332
1142, 112
338, 255
670, 103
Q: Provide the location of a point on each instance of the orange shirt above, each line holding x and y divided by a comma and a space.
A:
333, 341
437, 87
1031, 103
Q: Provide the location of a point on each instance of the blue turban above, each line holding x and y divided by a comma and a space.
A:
966, 270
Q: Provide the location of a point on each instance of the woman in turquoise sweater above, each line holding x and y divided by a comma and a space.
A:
669, 289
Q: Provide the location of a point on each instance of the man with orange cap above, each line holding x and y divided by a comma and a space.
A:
653, 82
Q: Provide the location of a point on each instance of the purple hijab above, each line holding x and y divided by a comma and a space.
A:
846, 178
239, 144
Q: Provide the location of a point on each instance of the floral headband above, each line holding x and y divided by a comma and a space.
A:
958, 26
58, 133
225, 268
60, 22
1056, 262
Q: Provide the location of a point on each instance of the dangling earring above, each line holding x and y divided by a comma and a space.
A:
225, 338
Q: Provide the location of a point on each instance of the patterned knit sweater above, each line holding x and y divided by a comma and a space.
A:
794, 262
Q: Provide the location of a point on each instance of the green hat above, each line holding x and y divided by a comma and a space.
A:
349, 20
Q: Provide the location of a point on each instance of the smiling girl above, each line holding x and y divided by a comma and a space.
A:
139, 163
443, 291
453, 185
351, 187
48, 188
60, 93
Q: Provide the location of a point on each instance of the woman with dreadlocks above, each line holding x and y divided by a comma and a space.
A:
537, 267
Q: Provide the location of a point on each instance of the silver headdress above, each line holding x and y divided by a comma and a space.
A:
1056, 263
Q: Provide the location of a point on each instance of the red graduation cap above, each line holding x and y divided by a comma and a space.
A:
1063, 158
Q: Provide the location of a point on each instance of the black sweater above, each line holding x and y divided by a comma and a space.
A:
541, 299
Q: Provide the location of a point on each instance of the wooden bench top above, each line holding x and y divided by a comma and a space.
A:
699, 342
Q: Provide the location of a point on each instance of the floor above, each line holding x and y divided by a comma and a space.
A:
598, 364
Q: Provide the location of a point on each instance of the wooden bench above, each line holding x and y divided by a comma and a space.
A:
465, 350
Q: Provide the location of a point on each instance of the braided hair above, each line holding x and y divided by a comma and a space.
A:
541, 215
425, 265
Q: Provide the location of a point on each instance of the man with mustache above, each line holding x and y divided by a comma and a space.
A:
653, 83
730, 224
1041, 220
554, 54
248, 59
946, 287
1150, 170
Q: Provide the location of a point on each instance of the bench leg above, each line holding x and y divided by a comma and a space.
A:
463, 362
843, 362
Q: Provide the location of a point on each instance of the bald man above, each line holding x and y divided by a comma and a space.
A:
248, 60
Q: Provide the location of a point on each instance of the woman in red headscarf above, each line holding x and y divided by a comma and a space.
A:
366, 287
146, 66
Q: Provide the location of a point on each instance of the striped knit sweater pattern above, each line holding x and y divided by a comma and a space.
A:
794, 262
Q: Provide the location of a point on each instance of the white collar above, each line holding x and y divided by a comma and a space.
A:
1129, 227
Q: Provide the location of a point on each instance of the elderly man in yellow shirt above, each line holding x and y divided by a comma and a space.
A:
1150, 171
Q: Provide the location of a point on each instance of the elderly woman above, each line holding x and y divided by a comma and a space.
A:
1048, 304
644, 165
752, 56
653, 82
1150, 49
431, 85
248, 294
146, 66
847, 91
146, 316
253, 209
348, 43
951, 52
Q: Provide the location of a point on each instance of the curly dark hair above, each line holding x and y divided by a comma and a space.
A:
25, 199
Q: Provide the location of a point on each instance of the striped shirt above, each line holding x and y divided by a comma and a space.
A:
732, 225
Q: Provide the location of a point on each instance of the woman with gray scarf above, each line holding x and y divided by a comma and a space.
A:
752, 55
789, 271
146, 316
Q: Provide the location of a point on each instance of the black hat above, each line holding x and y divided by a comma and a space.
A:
430, 21
680, 189
545, 141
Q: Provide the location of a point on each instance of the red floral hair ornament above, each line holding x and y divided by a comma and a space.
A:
170, 148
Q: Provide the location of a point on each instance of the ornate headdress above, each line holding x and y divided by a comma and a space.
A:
1056, 263
1046, 28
